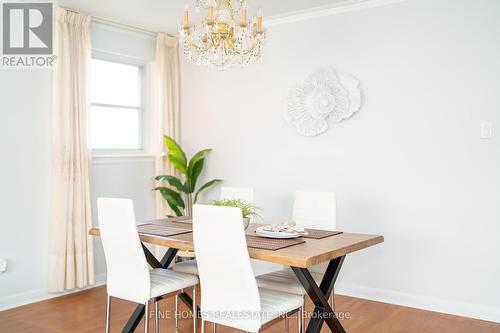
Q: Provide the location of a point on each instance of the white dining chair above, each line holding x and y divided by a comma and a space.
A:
313, 210
189, 266
229, 292
128, 274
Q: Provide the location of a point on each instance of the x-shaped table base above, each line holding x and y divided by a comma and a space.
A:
138, 313
319, 296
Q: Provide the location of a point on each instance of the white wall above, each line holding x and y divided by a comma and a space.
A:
25, 172
24, 189
410, 165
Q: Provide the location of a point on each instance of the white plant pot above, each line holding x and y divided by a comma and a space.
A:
246, 222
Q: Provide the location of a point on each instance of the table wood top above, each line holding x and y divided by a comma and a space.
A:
312, 252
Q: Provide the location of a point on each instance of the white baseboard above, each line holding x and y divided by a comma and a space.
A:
37, 295
420, 302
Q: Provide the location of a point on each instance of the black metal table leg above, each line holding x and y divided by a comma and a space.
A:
319, 295
138, 313
189, 302
134, 320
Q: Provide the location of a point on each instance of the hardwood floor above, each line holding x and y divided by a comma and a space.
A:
84, 312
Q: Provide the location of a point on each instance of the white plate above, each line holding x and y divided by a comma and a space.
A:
272, 234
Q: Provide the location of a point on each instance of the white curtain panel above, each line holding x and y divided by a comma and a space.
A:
166, 119
71, 259
167, 108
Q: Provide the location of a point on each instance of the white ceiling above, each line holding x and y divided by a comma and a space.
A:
164, 15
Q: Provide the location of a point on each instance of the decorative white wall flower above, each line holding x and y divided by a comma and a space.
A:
326, 96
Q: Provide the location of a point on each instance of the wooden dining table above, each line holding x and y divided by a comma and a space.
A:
299, 257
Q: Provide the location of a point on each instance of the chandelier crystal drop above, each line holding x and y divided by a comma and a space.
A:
225, 37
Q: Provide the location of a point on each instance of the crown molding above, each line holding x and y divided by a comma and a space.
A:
337, 8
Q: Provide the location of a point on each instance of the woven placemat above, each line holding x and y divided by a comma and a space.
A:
253, 241
161, 230
273, 244
320, 234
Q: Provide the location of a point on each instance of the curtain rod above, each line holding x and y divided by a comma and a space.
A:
111, 23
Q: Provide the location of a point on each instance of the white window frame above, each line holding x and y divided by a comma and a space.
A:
144, 108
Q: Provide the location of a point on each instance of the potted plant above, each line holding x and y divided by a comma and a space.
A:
179, 195
247, 209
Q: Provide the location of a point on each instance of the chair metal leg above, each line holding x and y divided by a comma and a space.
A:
108, 310
299, 322
287, 324
146, 317
194, 312
176, 311
157, 317
214, 328
303, 315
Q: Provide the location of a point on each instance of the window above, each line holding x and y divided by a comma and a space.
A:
116, 115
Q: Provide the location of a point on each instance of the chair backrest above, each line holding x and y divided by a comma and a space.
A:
229, 292
127, 269
243, 193
315, 210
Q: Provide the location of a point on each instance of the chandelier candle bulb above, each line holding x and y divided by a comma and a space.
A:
259, 20
244, 16
254, 23
185, 19
211, 13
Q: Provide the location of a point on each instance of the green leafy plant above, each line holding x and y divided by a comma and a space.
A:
179, 195
248, 209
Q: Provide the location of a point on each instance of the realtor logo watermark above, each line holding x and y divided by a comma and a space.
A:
27, 34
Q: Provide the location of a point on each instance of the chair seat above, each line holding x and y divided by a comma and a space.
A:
190, 267
285, 281
276, 303
165, 281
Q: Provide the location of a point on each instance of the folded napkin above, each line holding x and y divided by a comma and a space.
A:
284, 227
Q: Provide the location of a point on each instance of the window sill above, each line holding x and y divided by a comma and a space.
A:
123, 159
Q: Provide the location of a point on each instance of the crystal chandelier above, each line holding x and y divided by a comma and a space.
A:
225, 37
